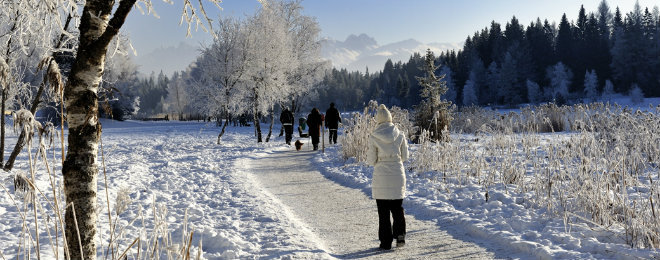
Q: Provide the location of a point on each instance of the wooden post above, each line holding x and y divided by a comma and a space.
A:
323, 135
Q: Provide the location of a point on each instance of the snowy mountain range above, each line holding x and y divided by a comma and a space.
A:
358, 52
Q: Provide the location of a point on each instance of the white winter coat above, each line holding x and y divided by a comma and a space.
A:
388, 149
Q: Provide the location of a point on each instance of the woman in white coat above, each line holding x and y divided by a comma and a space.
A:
388, 149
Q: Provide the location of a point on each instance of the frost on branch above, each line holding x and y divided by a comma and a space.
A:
24, 121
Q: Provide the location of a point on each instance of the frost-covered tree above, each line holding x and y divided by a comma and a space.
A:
223, 67
591, 84
284, 59
470, 90
178, 97
269, 60
308, 67
31, 33
636, 94
608, 89
469, 95
452, 92
533, 92
560, 77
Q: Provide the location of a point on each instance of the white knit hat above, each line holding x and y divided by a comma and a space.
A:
383, 115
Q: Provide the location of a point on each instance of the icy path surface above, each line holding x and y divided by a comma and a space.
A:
344, 219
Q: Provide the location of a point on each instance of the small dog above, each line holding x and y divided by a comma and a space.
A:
299, 145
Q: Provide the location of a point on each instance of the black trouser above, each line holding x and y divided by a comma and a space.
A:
332, 137
315, 141
386, 231
288, 129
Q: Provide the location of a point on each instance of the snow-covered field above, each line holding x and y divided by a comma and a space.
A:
167, 180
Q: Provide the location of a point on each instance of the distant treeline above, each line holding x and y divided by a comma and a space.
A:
568, 62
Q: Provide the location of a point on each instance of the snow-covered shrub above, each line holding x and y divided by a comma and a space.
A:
473, 119
401, 118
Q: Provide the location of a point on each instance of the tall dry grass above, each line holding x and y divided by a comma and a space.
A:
603, 169
359, 126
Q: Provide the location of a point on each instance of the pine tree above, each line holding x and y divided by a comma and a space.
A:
604, 19
540, 38
510, 92
403, 88
631, 53
560, 77
591, 85
433, 113
469, 93
564, 45
496, 42
514, 32
603, 57
608, 89
448, 78
494, 82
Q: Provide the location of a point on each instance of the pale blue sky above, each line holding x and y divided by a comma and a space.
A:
387, 21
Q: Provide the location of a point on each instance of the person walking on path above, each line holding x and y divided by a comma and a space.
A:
387, 150
314, 120
286, 118
332, 120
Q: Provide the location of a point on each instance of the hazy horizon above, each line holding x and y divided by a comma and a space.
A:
387, 21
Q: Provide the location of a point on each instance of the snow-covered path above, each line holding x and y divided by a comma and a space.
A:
343, 220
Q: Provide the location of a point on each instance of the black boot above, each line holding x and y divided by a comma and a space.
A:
386, 246
400, 241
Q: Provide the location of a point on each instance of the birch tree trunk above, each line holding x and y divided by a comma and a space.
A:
255, 116
270, 128
80, 167
2, 126
224, 125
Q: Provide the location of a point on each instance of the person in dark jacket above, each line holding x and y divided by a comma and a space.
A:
286, 118
314, 120
332, 120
